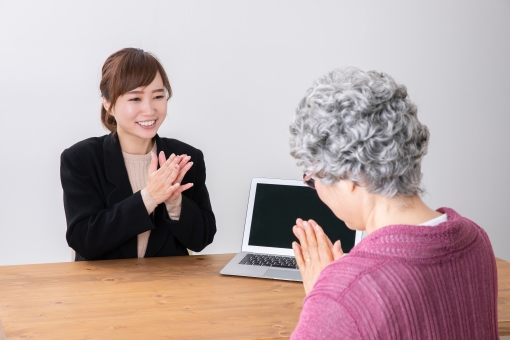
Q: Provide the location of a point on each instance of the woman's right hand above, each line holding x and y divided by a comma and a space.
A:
159, 182
315, 251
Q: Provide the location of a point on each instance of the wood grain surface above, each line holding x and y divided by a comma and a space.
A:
2, 334
503, 297
181, 297
158, 298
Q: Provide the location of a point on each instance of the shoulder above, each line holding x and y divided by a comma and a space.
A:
466, 231
92, 144
86, 150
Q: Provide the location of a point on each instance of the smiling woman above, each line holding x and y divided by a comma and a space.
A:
132, 193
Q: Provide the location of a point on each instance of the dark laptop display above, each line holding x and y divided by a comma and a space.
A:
276, 209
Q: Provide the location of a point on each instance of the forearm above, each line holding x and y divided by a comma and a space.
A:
324, 318
174, 208
196, 226
94, 232
148, 201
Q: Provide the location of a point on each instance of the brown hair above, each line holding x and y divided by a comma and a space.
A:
124, 71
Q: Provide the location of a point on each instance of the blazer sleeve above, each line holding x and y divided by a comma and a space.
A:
94, 229
196, 226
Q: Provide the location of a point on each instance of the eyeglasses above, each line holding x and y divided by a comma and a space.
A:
309, 180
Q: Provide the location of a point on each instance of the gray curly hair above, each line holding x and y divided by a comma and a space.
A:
360, 126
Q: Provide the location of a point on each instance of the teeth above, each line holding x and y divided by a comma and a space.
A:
147, 123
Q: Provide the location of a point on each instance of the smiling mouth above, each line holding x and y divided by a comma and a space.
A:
147, 123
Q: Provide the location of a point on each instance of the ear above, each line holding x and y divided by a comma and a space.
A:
351, 186
106, 105
346, 186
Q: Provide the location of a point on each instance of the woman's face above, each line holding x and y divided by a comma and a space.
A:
343, 199
140, 112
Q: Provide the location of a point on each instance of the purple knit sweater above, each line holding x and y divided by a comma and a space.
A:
408, 282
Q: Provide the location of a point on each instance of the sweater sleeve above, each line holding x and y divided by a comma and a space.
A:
148, 201
196, 225
323, 317
94, 229
174, 208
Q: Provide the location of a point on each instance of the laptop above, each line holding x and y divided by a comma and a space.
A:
273, 207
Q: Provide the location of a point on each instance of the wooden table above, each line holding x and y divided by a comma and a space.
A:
503, 297
181, 297
171, 297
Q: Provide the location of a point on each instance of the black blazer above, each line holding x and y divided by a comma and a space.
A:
104, 217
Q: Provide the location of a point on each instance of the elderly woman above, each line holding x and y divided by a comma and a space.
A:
420, 273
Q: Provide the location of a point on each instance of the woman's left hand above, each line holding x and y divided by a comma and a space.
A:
184, 164
315, 252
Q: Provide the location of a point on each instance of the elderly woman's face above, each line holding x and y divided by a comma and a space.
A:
343, 198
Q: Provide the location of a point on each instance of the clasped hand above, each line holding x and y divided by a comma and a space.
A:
315, 252
164, 184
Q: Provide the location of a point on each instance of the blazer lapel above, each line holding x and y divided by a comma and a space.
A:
159, 235
116, 174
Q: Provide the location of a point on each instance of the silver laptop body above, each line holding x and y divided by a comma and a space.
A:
273, 207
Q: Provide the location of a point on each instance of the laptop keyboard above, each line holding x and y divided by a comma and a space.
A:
270, 261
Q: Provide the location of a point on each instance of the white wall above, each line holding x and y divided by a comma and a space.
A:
238, 69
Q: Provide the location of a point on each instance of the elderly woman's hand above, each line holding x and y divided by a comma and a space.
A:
315, 252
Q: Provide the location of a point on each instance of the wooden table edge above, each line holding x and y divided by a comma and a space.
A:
503, 326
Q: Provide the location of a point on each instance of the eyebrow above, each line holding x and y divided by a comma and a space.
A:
138, 92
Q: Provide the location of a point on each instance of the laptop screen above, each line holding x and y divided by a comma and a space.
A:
276, 208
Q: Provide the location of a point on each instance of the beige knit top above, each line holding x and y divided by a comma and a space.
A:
137, 167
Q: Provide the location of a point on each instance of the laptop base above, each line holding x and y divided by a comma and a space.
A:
234, 268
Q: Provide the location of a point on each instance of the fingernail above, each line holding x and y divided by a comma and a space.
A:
299, 231
172, 155
176, 167
305, 223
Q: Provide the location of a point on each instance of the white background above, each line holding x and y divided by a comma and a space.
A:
238, 70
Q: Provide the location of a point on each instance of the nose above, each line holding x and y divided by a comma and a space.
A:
148, 108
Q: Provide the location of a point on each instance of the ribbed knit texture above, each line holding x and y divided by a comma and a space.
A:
137, 167
408, 282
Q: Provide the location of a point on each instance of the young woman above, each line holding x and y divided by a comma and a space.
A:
132, 193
